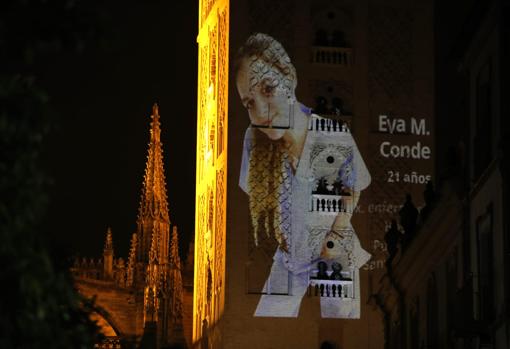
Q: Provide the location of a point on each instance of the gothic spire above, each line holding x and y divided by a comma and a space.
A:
130, 277
108, 245
174, 259
153, 217
108, 255
154, 198
175, 279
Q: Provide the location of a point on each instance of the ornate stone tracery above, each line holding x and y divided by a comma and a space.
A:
211, 169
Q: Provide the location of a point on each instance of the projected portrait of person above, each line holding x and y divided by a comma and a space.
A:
303, 175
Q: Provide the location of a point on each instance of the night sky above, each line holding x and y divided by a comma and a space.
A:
146, 52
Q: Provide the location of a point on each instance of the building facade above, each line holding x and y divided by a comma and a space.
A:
360, 75
448, 286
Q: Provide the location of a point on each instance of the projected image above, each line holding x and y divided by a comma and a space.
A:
303, 175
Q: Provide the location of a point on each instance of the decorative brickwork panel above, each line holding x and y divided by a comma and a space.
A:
219, 238
390, 84
213, 58
211, 170
205, 9
390, 56
222, 80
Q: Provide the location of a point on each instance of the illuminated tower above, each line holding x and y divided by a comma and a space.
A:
209, 289
308, 100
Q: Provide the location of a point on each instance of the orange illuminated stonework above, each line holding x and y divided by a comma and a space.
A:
211, 175
140, 300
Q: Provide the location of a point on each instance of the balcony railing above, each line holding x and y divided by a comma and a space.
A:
327, 125
340, 56
328, 204
343, 288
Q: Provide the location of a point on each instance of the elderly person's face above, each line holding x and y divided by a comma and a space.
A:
265, 93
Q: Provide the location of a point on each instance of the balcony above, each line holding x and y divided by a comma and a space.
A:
340, 289
328, 204
337, 56
325, 125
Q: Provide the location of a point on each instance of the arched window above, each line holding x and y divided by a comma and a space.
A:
321, 105
332, 26
321, 38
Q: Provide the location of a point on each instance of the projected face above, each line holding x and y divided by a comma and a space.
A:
267, 95
303, 174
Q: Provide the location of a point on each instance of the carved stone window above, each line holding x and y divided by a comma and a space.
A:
333, 99
332, 27
332, 24
213, 42
222, 80
210, 219
212, 137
